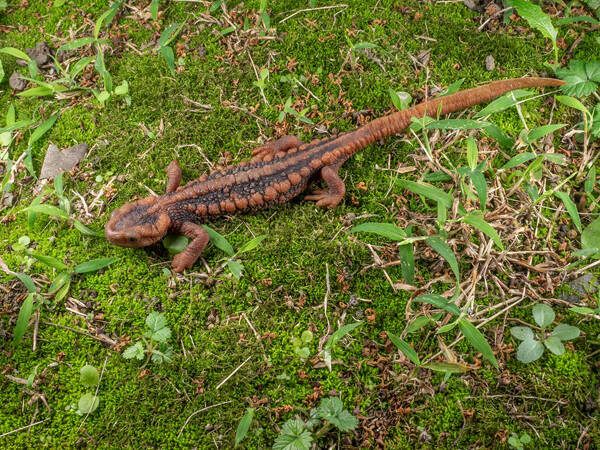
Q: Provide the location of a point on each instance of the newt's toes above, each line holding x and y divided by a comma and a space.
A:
181, 262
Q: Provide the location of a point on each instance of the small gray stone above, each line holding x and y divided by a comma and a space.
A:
40, 53
16, 82
57, 161
490, 63
585, 284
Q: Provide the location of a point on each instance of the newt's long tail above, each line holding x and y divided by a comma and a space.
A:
393, 123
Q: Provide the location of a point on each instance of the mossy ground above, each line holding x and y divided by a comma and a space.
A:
285, 283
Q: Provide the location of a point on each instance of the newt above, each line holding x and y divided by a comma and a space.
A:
279, 171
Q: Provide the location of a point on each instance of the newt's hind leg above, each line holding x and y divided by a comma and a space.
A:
283, 144
173, 176
335, 191
188, 257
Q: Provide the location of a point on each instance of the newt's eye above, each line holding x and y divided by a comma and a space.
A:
131, 239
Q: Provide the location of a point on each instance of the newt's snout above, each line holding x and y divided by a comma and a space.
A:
137, 224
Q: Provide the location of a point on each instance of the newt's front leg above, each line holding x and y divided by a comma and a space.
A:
188, 257
173, 176
336, 189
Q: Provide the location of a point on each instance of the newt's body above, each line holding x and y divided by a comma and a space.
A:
279, 171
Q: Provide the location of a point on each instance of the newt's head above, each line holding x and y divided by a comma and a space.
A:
137, 224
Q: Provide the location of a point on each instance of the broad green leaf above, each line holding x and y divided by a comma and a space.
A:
505, 141
38, 91
448, 367
480, 186
122, 89
219, 241
543, 314
522, 333
530, 350
80, 65
508, 100
453, 88
417, 324
554, 344
401, 100
472, 153
540, 132
590, 180
571, 208
590, 237
442, 248
457, 124
448, 327
49, 261
534, 15
110, 11
26, 280
154, 12
175, 243
63, 291
429, 191
518, 160
59, 281
252, 244
15, 52
23, 319
407, 262
94, 265
387, 230
306, 336
362, 45
340, 333
169, 34
477, 340
169, 57
42, 129
244, 424
16, 125
77, 43
476, 220
565, 332
556, 158
572, 103
88, 403
439, 302
405, 348
236, 268
157, 327
582, 310
89, 376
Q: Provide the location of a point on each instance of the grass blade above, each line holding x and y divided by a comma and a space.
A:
507, 101
244, 426
15, 52
252, 244
429, 191
571, 208
49, 261
476, 220
94, 265
405, 348
49, 210
439, 302
457, 124
42, 129
477, 339
388, 230
518, 160
219, 241
442, 248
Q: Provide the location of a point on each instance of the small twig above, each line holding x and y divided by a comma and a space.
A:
104, 338
312, 9
233, 373
198, 412
23, 428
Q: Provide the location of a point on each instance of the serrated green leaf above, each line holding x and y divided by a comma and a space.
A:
529, 351
293, 436
581, 77
477, 340
543, 314
405, 348
476, 220
94, 265
332, 410
244, 426
571, 208
134, 351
